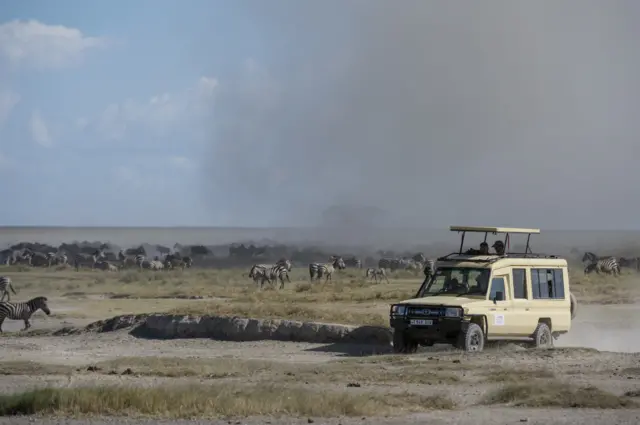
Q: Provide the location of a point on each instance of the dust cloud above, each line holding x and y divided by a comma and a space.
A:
489, 113
605, 328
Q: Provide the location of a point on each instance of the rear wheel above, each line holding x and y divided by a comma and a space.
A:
402, 343
542, 336
471, 339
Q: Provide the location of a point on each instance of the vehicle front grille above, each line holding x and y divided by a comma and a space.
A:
425, 311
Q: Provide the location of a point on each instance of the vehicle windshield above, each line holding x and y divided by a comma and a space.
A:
456, 281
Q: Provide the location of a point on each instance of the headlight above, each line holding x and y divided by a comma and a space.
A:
453, 312
400, 310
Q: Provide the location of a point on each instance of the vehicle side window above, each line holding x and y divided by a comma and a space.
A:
497, 285
547, 283
519, 284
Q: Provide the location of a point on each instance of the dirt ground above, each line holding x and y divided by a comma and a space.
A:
465, 379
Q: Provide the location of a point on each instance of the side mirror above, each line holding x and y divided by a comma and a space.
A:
499, 296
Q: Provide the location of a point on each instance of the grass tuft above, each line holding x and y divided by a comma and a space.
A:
211, 401
556, 394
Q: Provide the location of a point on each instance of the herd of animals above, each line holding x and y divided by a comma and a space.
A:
37, 255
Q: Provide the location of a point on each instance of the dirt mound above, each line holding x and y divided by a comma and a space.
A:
164, 326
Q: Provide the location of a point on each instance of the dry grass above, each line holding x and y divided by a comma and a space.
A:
517, 375
212, 401
350, 298
556, 394
255, 370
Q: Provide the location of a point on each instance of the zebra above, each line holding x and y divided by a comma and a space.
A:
607, 265
372, 273
353, 262
127, 260
258, 272
81, 258
632, 263
275, 273
23, 311
152, 265
429, 268
107, 266
419, 258
318, 270
5, 286
261, 273
384, 263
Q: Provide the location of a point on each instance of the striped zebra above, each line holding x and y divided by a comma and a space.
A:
429, 268
131, 260
152, 265
23, 311
354, 262
318, 270
608, 265
258, 273
374, 274
261, 273
87, 259
5, 286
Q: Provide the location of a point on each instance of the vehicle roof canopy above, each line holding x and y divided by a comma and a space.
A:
491, 229
474, 255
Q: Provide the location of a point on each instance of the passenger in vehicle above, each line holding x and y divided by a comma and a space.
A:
499, 247
484, 248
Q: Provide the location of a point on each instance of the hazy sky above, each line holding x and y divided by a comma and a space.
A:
266, 113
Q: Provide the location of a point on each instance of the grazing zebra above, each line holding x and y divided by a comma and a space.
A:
318, 270
87, 259
277, 272
5, 286
23, 311
607, 265
375, 273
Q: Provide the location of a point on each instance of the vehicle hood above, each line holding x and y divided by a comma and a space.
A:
443, 300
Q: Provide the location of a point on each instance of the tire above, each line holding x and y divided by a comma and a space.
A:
574, 306
403, 344
472, 339
542, 337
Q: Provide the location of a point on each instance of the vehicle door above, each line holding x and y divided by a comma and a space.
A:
498, 321
523, 319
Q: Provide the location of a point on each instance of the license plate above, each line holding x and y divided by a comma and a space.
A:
421, 322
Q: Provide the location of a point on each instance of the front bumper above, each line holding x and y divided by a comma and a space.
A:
443, 329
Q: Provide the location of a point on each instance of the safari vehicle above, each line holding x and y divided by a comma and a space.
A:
477, 296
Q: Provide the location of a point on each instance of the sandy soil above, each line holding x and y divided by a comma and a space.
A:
612, 329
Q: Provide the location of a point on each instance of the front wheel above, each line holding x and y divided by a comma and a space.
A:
402, 344
471, 339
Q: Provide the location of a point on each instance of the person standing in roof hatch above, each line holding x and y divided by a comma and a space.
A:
499, 247
484, 248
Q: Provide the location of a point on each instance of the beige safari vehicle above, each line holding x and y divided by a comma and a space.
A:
477, 296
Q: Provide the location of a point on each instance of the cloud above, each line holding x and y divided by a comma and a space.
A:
39, 130
437, 112
8, 101
160, 115
44, 46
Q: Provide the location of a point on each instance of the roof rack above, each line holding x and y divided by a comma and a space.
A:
495, 230
473, 258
